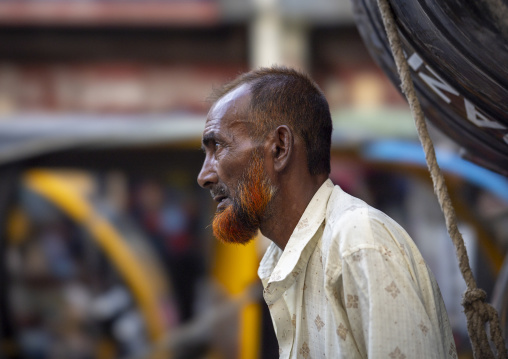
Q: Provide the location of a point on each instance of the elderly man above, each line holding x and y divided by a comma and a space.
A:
341, 279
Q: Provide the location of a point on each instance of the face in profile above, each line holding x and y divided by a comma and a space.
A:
233, 169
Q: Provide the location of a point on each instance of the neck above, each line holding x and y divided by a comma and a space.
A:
288, 205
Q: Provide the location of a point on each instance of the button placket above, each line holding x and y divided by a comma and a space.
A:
284, 329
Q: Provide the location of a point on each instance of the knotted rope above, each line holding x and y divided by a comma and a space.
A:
478, 312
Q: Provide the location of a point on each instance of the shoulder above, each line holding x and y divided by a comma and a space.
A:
352, 225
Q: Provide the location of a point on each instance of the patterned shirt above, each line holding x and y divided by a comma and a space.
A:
352, 284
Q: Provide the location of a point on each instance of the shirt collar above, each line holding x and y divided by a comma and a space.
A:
280, 268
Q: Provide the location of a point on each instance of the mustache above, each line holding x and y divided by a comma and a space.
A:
219, 190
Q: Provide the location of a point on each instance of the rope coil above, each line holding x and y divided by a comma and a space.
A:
478, 312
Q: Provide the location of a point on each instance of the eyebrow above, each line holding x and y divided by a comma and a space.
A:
207, 139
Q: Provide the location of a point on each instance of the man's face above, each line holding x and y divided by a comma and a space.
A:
233, 169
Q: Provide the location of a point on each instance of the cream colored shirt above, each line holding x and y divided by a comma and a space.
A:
352, 284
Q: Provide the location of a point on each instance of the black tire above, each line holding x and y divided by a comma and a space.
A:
459, 57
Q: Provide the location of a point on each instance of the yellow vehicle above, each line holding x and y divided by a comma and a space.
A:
106, 257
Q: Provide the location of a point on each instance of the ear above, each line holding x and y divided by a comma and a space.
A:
281, 147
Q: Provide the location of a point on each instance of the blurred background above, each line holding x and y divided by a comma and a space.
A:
106, 250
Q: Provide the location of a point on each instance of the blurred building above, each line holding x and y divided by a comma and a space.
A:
164, 56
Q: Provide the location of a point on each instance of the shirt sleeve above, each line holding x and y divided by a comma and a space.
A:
386, 313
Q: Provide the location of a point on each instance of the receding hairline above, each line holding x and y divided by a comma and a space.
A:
253, 76
221, 91
229, 95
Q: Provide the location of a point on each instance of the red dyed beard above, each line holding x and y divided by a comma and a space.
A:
240, 221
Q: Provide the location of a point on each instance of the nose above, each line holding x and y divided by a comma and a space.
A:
207, 176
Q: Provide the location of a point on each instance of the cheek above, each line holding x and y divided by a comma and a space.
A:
230, 173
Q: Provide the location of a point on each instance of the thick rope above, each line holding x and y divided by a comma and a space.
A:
477, 311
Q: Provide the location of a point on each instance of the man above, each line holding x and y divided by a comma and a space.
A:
342, 279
